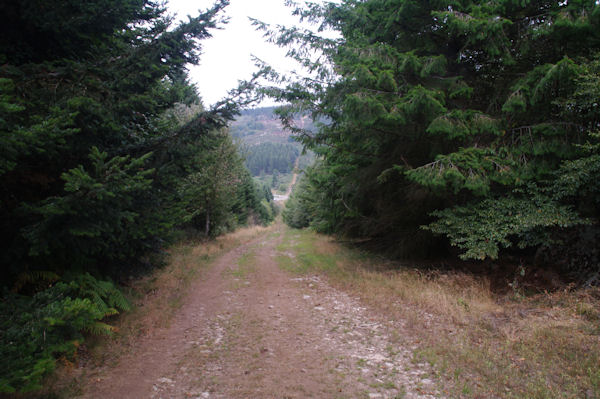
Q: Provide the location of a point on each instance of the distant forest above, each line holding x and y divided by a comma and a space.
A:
264, 158
267, 146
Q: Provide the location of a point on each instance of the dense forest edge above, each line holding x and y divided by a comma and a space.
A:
467, 133
109, 156
454, 130
463, 137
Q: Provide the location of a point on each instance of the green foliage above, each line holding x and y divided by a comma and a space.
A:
437, 112
472, 169
482, 229
275, 179
221, 194
100, 128
106, 150
308, 205
36, 330
578, 178
296, 213
96, 212
268, 157
260, 201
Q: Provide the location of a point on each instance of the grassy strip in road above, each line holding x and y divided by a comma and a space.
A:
245, 264
482, 344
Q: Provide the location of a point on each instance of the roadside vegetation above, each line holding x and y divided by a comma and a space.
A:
451, 129
108, 157
462, 142
483, 341
153, 301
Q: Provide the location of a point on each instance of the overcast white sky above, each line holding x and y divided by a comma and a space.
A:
226, 57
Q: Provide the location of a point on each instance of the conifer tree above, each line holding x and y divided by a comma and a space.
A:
452, 115
99, 127
105, 151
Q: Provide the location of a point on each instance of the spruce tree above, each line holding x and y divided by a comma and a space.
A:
99, 126
444, 113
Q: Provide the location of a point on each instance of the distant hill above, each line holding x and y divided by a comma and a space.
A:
261, 125
268, 148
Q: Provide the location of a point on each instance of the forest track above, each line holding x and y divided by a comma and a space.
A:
288, 192
249, 329
294, 178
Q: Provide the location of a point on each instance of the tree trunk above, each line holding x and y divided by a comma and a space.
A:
207, 227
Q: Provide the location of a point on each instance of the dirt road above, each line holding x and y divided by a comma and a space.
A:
294, 178
288, 192
249, 329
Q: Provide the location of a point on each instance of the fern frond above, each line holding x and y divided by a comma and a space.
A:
111, 312
99, 328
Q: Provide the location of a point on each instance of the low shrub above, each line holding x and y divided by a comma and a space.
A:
37, 330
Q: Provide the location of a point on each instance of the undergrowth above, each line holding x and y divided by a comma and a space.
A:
481, 344
46, 333
35, 331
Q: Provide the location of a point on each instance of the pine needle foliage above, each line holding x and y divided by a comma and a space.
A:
443, 113
99, 126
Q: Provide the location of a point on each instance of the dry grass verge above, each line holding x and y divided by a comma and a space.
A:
483, 345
